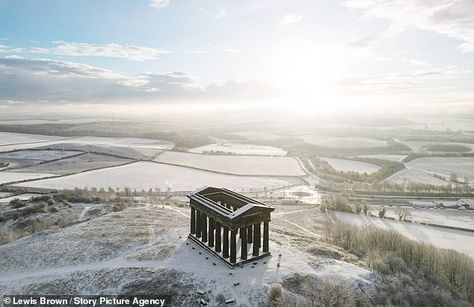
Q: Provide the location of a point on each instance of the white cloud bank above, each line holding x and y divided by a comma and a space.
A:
112, 50
159, 4
453, 18
26, 80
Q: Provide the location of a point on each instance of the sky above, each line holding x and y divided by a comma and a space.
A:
324, 55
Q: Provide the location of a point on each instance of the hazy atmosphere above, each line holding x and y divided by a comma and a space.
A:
261, 153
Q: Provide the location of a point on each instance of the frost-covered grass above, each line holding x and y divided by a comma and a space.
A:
343, 142
447, 217
394, 255
41, 155
462, 166
240, 165
15, 141
413, 175
7, 138
396, 158
23, 196
239, 149
125, 252
123, 142
346, 165
75, 164
420, 146
458, 240
149, 175
7, 177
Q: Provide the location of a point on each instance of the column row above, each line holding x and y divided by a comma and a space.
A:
217, 236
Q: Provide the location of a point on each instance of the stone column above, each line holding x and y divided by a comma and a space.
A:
193, 220
266, 238
250, 234
198, 224
256, 239
225, 247
259, 235
233, 246
204, 227
218, 237
211, 232
243, 247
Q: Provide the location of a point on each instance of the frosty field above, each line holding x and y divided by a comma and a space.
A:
9, 138
240, 165
258, 135
75, 164
7, 177
41, 155
15, 141
462, 166
396, 158
446, 217
149, 175
461, 241
342, 142
239, 149
351, 165
413, 175
418, 145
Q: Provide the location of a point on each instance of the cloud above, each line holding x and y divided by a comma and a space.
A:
159, 4
221, 14
26, 80
365, 41
112, 50
453, 18
290, 19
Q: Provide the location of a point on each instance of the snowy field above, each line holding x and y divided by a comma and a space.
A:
145, 248
240, 165
9, 138
124, 142
396, 158
149, 175
15, 141
4, 194
461, 241
239, 149
258, 135
351, 165
343, 142
447, 217
419, 145
41, 155
75, 164
444, 166
413, 175
7, 177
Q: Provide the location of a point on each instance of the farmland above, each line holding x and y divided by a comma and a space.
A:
462, 241
346, 165
239, 165
6, 177
343, 142
239, 149
150, 175
462, 166
150, 171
